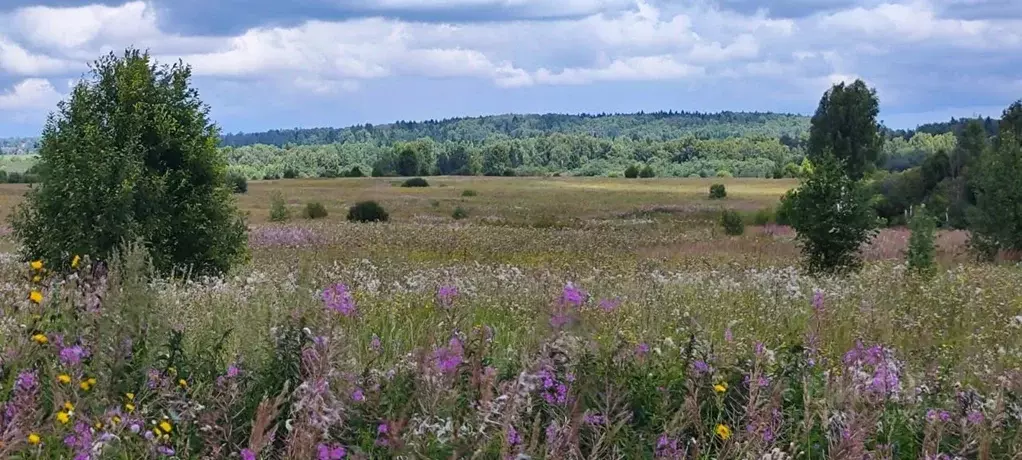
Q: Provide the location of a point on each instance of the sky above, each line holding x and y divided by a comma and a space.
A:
265, 64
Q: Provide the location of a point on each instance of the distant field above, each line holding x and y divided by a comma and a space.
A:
16, 163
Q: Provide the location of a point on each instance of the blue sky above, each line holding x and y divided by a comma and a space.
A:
264, 64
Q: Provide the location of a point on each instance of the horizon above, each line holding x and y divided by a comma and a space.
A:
320, 64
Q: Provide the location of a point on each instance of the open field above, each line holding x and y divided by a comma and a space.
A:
564, 318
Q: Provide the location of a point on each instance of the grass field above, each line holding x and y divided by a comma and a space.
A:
564, 318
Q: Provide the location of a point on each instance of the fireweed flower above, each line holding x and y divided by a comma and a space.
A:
339, 299
247, 454
446, 295
609, 305
358, 395
447, 359
375, 344
513, 438
331, 452
572, 295
72, 356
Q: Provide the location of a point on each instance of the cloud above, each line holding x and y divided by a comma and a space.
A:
631, 69
29, 94
19, 61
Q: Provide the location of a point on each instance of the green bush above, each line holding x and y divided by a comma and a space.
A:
724, 173
459, 213
718, 191
314, 210
415, 182
3, 176
278, 208
469, 193
785, 210
238, 182
921, 249
833, 218
132, 155
367, 211
647, 172
732, 222
355, 172
763, 216
632, 172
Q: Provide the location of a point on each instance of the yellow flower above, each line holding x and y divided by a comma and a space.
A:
40, 339
115, 420
165, 426
36, 279
99, 425
130, 396
129, 407
92, 381
75, 260
183, 383
36, 265
157, 431
34, 439
85, 385
63, 417
720, 387
36, 296
64, 378
68, 406
723, 431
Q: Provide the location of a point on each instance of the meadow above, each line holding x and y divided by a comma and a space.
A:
562, 318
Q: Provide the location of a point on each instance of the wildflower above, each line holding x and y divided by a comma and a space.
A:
720, 387
357, 395
723, 431
182, 383
75, 260
609, 305
129, 407
64, 378
165, 451
728, 336
130, 396
116, 420
68, 406
85, 385
40, 339
233, 371
165, 426
339, 299
448, 358
34, 439
513, 438
700, 367
63, 417
375, 344
36, 264
572, 295
974, 417
641, 349
72, 356
325, 452
35, 296
446, 295
247, 454
37, 278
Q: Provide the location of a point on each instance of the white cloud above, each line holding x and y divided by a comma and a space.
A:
631, 69
529, 7
917, 21
29, 94
67, 28
18, 61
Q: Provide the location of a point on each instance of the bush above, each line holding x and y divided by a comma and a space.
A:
278, 208
469, 193
785, 210
459, 213
3, 176
415, 182
314, 210
724, 173
509, 173
367, 211
132, 155
921, 250
355, 172
763, 216
718, 191
632, 172
833, 218
647, 172
238, 182
732, 222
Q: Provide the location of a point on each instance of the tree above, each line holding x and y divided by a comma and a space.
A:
921, 249
833, 218
407, 161
996, 220
496, 159
632, 172
845, 126
132, 155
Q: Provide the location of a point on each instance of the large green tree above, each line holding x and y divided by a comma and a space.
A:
132, 155
996, 220
845, 126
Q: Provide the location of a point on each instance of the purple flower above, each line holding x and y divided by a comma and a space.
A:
334, 452
447, 359
728, 336
72, 356
26, 381
572, 295
641, 349
247, 454
446, 295
934, 415
974, 418
383, 428
513, 438
818, 301
339, 299
700, 367
594, 419
357, 395
165, 451
609, 305
375, 344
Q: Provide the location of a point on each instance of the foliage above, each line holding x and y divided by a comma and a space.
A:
469, 193
647, 172
845, 126
132, 155
632, 171
732, 221
718, 191
367, 211
921, 250
763, 216
238, 182
415, 182
279, 212
833, 218
355, 171
996, 221
314, 210
459, 213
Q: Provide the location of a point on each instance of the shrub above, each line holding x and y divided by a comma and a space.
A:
415, 182
356, 172
921, 249
367, 211
785, 210
732, 222
132, 155
290, 173
314, 210
833, 218
647, 172
509, 173
3, 176
718, 191
278, 208
763, 216
632, 172
724, 173
459, 213
238, 182
469, 193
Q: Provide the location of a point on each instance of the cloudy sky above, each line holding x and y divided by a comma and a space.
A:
265, 64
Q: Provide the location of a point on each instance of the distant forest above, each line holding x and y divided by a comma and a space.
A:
743, 144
